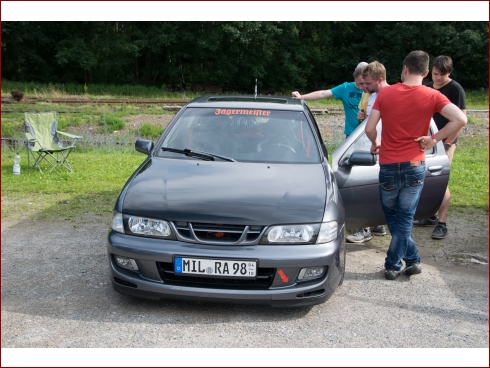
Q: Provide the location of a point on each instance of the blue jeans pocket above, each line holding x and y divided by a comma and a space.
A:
414, 180
386, 182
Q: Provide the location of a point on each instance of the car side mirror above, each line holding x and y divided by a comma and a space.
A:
143, 146
361, 158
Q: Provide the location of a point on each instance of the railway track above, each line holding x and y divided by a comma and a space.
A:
167, 104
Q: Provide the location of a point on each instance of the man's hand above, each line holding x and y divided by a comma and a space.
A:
361, 115
425, 143
296, 94
375, 147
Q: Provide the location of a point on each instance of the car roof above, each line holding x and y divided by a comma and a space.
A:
249, 102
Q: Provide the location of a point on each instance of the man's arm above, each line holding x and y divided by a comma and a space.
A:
317, 95
457, 121
371, 132
459, 99
453, 137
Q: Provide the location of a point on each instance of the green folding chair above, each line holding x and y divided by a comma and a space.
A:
43, 143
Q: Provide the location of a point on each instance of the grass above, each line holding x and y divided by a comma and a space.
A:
92, 187
468, 181
110, 123
99, 117
91, 91
477, 100
99, 175
151, 131
111, 117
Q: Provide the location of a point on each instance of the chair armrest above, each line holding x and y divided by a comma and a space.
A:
69, 135
30, 141
30, 138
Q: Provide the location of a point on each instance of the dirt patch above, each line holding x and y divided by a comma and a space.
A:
466, 243
133, 121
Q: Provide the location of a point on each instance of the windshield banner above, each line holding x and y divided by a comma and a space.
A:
242, 112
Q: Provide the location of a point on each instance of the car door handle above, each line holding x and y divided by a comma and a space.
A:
434, 169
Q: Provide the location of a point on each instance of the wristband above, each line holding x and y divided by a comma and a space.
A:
447, 142
433, 138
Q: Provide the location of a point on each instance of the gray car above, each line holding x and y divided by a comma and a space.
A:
237, 202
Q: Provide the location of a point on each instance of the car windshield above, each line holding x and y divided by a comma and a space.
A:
241, 135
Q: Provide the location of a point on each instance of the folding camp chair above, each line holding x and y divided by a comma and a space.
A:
43, 143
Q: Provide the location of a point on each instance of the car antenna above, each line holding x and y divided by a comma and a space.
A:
255, 87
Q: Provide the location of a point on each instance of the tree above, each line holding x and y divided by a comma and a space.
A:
231, 55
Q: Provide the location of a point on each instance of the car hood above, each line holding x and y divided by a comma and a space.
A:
227, 192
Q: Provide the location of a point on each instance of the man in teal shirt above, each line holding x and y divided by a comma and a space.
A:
349, 93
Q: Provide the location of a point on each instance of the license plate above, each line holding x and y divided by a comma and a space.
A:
215, 267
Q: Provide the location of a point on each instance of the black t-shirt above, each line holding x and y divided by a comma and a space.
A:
455, 93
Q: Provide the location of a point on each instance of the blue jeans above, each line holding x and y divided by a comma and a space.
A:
400, 186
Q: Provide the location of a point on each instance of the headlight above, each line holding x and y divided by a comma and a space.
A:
149, 227
328, 232
301, 234
291, 234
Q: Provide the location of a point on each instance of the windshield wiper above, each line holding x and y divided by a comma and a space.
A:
198, 154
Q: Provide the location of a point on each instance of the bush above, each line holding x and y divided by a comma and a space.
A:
110, 122
66, 121
151, 131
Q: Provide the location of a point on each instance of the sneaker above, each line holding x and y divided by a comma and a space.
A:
391, 274
427, 222
359, 236
378, 230
412, 269
439, 232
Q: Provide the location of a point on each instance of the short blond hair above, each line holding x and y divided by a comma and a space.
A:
359, 71
375, 70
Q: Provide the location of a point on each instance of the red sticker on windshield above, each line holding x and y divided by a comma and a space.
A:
242, 112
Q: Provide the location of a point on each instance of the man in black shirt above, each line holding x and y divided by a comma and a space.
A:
441, 69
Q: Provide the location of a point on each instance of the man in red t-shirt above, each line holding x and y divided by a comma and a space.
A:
406, 109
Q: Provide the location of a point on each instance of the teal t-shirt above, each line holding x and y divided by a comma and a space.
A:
350, 96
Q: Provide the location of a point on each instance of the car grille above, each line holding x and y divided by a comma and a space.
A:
264, 279
218, 233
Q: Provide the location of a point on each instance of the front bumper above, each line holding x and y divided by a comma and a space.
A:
151, 254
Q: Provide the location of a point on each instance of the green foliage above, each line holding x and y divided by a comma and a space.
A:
475, 120
66, 121
97, 91
468, 181
150, 131
477, 100
110, 122
12, 129
229, 55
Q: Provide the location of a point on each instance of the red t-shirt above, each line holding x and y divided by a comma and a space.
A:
405, 113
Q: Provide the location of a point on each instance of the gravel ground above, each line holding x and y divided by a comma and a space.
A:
56, 293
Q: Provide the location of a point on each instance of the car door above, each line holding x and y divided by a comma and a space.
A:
356, 172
